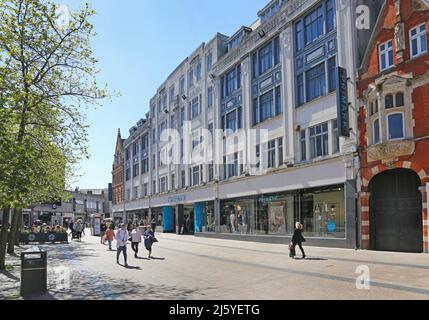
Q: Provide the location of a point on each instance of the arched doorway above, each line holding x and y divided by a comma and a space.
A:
396, 212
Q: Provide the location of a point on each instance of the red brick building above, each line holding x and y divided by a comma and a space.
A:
393, 87
118, 171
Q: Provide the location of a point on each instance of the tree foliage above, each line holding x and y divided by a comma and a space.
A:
47, 78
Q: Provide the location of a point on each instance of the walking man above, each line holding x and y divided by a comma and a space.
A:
121, 242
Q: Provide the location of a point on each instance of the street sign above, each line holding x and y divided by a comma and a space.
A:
342, 102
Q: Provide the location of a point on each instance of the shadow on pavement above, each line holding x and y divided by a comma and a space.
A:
9, 275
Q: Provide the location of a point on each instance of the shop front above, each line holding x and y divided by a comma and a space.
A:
264, 209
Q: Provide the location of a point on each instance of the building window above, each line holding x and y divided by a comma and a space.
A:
191, 78
198, 71
265, 58
271, 153
153, 162
280, 151
128, 194
231, 81
266, 106
145, 165
136, 192
332, 67
195, 175
231, 121
400, 100
127, 154
183, 178
135, 149
209, 61
163, 184
173, 121
315, 82
182, 116
335, 137
276, 44
127, 174
171, 94
161, 129
299, 35
173, 181
233, 167
153, 136
386, 55
145, 190
418, 40
195, 108
278, 101
211, 132
376, 131
145, 142
313, 24
135, 170
319, 141
211, 172
395, 126
388, 101
210, 97
373, 107
303, 144
300, 90
330, 15
182, 85
153, 186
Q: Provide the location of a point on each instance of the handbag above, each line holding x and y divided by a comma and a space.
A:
292, 252
155, 239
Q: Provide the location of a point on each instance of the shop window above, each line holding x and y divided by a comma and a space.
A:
236, 215
322, 212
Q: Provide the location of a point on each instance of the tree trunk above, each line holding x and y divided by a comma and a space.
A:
20, 227
13, 230
3, 238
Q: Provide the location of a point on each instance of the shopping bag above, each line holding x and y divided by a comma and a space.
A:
291, 250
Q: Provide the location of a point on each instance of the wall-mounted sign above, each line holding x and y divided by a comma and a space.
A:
342, 102
178, 198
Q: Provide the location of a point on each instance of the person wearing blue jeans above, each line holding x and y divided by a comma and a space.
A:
121, 242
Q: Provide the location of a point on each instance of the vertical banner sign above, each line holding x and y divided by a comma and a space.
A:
110, 192
342, 102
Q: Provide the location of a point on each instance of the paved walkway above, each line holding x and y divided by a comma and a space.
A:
198, 268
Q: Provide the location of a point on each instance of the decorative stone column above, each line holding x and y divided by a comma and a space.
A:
365, 220
425, 218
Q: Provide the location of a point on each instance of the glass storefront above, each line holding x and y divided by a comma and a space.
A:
236, 215
209, 222
320, 210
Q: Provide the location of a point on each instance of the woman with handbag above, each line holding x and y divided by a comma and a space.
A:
149, 239
297, 239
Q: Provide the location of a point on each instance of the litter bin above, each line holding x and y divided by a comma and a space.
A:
34, 273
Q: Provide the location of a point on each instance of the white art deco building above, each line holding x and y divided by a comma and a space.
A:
277, 77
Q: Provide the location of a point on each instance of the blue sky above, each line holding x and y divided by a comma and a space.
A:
139, 43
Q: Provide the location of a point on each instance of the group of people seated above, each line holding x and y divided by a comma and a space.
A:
45, 228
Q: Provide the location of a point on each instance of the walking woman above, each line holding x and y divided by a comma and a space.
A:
298, 239
149, 237
136, 238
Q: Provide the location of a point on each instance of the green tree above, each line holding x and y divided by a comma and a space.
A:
47, 79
